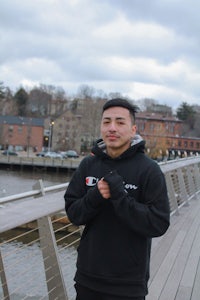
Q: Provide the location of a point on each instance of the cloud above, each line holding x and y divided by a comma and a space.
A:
139, 48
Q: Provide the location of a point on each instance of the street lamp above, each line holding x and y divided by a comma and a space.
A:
50, 135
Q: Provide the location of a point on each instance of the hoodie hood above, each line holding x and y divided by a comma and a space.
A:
137, 145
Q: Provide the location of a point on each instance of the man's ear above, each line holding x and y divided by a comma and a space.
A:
134, 129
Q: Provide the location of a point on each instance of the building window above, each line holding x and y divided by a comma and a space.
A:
185, 144
171, 128
179, 143
151, 127
159, 127
141, 127
20, 129
197, 145
191, 144
10, 129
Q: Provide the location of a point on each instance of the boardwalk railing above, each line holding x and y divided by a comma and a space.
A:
38, 243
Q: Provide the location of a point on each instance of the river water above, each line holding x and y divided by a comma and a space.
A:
14, 182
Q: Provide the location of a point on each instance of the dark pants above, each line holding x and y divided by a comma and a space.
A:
84, 293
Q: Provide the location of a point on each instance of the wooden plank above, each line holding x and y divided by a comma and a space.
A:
173, 281
166, 266
188, 278
171, 252
184, 293
163, 244
196, 288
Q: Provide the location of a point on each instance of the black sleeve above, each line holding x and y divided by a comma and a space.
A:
148, 217
82, 204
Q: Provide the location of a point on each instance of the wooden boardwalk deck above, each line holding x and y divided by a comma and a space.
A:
175, 262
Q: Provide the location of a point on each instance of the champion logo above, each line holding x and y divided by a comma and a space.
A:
91, 181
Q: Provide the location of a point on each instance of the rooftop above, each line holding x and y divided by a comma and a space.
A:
17, 120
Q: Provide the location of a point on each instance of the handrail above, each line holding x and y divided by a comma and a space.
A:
165, 166
33, 193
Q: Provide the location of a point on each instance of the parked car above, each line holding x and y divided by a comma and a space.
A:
41, 154
9, 152
71, 154
53, 155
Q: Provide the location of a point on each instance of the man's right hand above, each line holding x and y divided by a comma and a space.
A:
104, 188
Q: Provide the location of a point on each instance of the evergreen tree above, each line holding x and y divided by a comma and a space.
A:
186, 113
21, 98
2, 90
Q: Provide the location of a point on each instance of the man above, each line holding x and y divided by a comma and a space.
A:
120, 196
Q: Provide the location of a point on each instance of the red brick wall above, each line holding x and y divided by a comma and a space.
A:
23, 136
166, 132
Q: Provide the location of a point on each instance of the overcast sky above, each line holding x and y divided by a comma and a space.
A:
140, 48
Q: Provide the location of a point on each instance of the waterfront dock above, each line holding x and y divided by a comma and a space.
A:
33, 162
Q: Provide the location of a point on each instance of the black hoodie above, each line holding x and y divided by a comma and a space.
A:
114, 252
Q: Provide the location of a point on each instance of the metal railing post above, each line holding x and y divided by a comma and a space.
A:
3, 279
53, 272
197, 177
190, 177
171, 191
39, 186
182, 186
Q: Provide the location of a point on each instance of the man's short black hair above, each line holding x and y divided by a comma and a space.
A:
121, 103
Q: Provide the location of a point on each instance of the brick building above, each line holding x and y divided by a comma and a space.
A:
21, 133
66, 132
163, 135
162, 132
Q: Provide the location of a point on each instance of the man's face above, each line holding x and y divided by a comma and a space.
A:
117, 130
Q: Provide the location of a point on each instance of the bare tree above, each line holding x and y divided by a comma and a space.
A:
60, 100
38, 102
